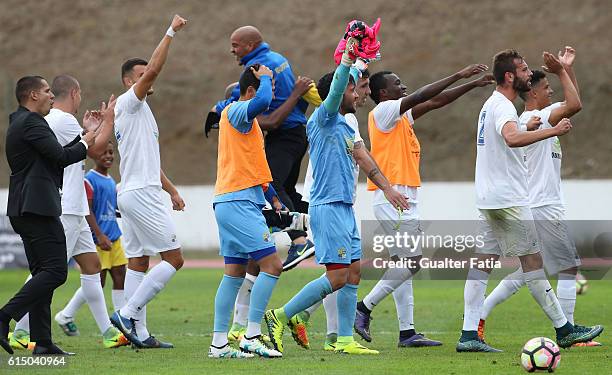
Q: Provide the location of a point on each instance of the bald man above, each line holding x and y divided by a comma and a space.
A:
284, 120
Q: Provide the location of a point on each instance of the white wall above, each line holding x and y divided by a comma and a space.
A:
197, 229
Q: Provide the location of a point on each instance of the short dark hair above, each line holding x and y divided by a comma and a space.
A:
365, 73
26, 85
324, 84
378, 81
537, 76
503, 62
129, 65
247, 78
62, 85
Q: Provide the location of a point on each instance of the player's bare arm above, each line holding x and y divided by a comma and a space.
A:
516, 138
102, 122
429, 91
567, 58
177, 201
572, 104
276, 118
450, 95
367, 163
103, 241
158, 59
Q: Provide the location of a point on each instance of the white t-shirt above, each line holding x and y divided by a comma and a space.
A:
501, 172
386, 114
308, 180
543, 163
138, 140
66, 129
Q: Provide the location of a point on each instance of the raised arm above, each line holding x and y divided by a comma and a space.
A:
158, 59
567, 58
340, 80
367, 163
276, 118
517, 138
429, 91
263, 97
572, 104
103, 122
450, 95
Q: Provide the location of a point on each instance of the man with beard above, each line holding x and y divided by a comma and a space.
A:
506, 221
546, 199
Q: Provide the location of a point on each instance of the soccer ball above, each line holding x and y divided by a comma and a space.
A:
540, 354
582, 285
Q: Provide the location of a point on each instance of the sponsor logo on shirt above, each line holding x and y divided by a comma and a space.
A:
118, 136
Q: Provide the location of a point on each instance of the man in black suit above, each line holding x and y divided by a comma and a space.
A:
37, 163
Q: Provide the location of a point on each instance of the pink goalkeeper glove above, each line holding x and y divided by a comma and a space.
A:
368, 46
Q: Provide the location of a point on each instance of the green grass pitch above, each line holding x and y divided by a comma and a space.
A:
183, 315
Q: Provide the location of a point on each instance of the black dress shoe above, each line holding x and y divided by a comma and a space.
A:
49, 350
4, 329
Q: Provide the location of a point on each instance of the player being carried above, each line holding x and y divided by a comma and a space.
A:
543, 159
147, 225
242, 176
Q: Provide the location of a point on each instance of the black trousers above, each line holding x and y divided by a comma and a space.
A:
285, 149
45, 247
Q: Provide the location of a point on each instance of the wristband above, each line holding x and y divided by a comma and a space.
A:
170, 32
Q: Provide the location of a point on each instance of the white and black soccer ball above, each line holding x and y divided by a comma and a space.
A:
540, 354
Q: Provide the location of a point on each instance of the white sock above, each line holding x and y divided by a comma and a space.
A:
473, 298
219, 339
542, 292
24, 323
243, 300
391, 280
132, 282
506, 288
253, 329
566, 293
404, 305
330, 303
118, 298
75, 303
311, 310
150, 286
94, 295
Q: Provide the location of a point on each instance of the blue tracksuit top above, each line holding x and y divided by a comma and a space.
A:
284, 81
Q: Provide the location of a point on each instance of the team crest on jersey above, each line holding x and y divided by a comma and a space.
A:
350, 145
342, 253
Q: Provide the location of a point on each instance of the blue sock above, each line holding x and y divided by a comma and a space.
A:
260, 295
224, 301
313, 292
347, 304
